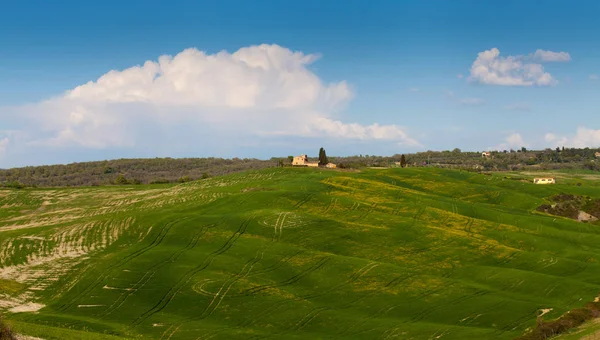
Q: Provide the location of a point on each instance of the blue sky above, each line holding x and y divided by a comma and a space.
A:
406, 66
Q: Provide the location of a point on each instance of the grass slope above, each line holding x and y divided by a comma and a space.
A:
296, 254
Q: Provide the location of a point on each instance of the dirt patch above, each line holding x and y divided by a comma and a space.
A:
27, 337
545, 311
585, 217
28, 307
256, 189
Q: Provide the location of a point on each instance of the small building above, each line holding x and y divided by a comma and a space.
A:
544, 180
300, 160
597, 154
486, 154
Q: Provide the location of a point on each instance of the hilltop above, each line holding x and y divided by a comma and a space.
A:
295, 253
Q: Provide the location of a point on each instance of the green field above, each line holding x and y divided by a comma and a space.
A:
297, 254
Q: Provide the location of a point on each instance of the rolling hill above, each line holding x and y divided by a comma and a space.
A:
293, 253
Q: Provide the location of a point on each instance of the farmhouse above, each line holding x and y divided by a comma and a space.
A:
486, 154
548, 180
302, 160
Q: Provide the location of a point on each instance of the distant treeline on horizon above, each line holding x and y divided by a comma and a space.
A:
173, 170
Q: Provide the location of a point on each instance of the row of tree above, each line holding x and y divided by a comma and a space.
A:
169, 170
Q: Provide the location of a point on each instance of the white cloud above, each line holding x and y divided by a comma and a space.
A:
492, 69
550, 137
460, 76
472, 101
585, 137
550, 56
554, 139
515, 140
512, 141
518, 107
414, 89
336, 128
594, 77
257, 90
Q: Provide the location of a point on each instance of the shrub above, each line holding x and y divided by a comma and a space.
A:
160, 181
14, 185
121, 180
5, 332
569, 320
184, 179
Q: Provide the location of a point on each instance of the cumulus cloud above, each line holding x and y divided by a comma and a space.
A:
512, 141
515, 140
257, 90
550, 137
492, 69
550, 56
594, 77
356, 131
585, 137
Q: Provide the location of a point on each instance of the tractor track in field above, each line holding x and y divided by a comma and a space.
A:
304, 200
330, 206
318, 264
369, 210
245, 272
277, 305
428, 311
157, 241
220, 295
168, 297
312, 314
152, 271
387, 309
393, 283
516, 323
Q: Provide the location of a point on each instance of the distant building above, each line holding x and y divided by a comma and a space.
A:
597, 154
544, 180
486, 154
302, 160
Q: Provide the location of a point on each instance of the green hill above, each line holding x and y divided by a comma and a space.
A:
292, 253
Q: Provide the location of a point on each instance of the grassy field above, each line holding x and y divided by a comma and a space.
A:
297, 254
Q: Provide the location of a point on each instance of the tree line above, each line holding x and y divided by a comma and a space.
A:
169, 170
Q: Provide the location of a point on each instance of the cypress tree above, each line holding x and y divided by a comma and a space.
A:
323, 157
